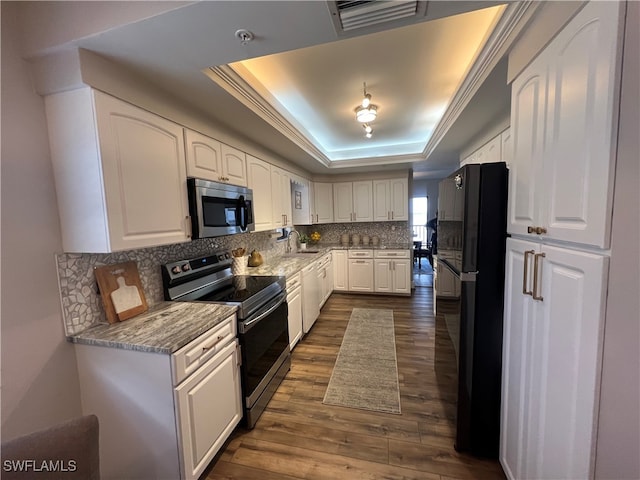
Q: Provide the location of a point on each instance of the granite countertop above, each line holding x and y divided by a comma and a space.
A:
287, 265
165, 328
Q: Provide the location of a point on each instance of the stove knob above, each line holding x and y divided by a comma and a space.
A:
176, 270
221, 257
226, 255
186, 267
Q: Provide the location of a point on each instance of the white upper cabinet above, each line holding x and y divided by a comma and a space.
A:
300, 201
259, 180
343, 202
120, 173
363, 201
281, 197
209, 159
322, 210
563, 118
353, 201
234, 166
390, 200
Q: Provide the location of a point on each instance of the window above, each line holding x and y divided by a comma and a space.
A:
419, 218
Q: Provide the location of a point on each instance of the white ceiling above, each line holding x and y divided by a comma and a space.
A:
411, 72
172, 43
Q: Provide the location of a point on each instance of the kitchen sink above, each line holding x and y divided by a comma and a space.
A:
301, 253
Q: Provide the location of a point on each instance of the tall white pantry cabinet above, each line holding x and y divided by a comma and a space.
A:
564, 126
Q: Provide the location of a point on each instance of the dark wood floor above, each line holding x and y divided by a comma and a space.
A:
298, 437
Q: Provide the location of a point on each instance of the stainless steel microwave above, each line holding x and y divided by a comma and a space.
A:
218, 209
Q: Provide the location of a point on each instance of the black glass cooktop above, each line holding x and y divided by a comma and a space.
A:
248, 292
240, 288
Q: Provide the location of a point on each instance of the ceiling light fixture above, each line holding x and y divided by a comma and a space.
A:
366, 112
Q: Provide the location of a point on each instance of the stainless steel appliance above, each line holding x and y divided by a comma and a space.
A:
218, 209
263, 327
472, 238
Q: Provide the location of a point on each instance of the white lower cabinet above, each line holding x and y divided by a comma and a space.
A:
294, 301
553, 332
340, 271
310, 296
447, 284
325, 279
392, 271
360, 270
161, 415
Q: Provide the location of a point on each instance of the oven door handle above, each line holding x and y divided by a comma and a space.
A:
249, 324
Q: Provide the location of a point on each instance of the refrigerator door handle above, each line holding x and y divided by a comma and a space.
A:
468, 276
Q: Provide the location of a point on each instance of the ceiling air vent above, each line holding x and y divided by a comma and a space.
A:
349, 15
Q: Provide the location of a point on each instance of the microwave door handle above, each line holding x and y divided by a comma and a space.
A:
242, 212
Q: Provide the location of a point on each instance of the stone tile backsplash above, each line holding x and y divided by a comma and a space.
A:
390, 233
82, 304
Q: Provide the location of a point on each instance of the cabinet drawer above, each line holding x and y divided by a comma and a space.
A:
391, 254
190, 357
360, 253
294, 281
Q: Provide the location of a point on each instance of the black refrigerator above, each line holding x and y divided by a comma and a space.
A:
471, 245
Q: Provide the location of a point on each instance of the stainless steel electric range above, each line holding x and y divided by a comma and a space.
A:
263, 328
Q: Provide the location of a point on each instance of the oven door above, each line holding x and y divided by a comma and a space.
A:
218, 209
264, 340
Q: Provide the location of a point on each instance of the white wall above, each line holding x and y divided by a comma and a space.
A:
39, 374
618, 442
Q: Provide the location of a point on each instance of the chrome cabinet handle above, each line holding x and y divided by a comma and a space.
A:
525, 275
536, 291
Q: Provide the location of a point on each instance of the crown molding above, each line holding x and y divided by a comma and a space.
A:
234, 84
512, 21
509, 25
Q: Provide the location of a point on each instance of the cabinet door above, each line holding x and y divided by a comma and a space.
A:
505, 140
234, 166
340, 270
310, 295
287, 209
361, 275
551, 360
278, 197
446, 199
446, 280
300, 201
145, 181
399, 198
209, 406
565, 362
527, 127
517, 360
343, 202
381, 200
259, 180
382, 275
294, 301
363, 201
401, 270
580, 138
204, 156
323, 196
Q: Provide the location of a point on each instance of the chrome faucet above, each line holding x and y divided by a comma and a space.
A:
293, 230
